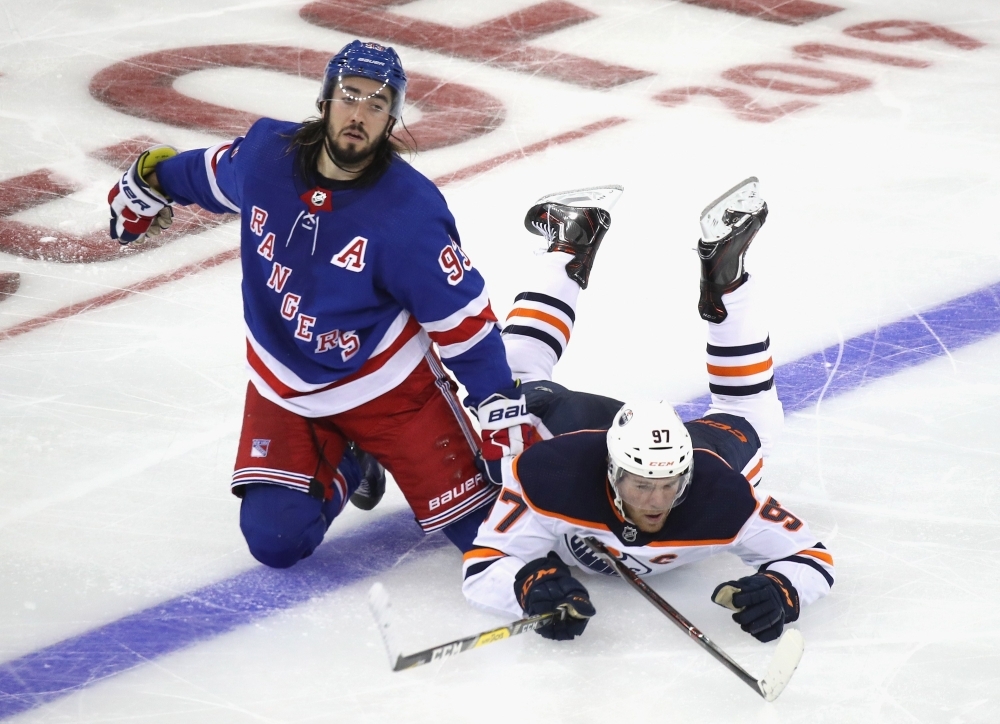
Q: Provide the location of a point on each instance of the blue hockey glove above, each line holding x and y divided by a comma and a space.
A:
507, 429
764, 603
544, 585
137, 208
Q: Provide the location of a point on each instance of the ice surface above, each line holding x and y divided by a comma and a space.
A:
119, 424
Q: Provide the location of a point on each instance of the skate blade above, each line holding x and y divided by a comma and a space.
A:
744, 196
601, 197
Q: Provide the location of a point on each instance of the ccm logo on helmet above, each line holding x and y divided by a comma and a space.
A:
654, 464
507, 412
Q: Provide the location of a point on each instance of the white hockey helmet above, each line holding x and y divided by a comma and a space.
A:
649, 439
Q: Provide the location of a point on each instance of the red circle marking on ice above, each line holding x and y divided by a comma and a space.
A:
143, 87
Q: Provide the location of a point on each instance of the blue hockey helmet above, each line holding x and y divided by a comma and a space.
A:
366, 60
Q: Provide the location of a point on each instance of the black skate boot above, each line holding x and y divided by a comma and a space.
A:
728, 225
574, 222
372, 487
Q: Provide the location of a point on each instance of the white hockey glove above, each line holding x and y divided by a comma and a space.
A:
507, 429
137, 208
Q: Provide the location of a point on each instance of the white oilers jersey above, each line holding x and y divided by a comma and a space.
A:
556, 493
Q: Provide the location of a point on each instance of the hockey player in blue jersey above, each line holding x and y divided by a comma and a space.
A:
658, 493
352, 267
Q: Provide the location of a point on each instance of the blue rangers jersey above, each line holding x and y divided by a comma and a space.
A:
557, 493
344, 288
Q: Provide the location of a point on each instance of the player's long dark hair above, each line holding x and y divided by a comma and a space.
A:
308, 141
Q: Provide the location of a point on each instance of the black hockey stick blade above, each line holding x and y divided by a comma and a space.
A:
381, 608
786, 655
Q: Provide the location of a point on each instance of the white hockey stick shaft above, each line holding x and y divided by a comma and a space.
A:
381, 608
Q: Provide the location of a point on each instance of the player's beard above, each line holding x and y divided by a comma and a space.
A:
350, 154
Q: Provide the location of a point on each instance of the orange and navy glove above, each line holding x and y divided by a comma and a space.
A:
507, 429
137, 208
546, 585
764, 603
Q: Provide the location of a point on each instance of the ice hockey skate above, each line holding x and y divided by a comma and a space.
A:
728, 225
575, 222
372, 487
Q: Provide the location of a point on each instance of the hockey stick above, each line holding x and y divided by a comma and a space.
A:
378, 602
786, 656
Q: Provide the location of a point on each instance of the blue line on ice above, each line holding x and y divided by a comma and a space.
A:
77, 662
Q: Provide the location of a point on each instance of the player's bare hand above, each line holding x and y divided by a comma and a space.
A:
162, 221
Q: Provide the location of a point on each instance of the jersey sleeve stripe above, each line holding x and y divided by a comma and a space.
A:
474, 569
549, 300
464, 345
825, 557
754, 473
545, 337
806, 562
542, 316
469, 327
211, 161
739, 351
742, 370
741, 390
477, 308
483, 553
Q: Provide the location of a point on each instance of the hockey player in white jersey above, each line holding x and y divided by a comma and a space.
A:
657, 492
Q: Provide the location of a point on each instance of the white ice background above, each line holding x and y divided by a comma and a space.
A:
118, 426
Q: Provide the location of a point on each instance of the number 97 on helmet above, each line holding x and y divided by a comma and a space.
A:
648, 440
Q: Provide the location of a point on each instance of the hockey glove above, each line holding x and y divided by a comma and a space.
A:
137, 208
546, 585
507, 429
764, 603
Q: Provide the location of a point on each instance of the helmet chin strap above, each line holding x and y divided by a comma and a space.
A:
619, 503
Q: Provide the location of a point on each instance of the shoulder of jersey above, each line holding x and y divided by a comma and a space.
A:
412, 190
718, 504
267, 139
566, 476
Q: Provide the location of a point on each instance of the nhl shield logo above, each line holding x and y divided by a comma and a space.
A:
629, 534
258, 448
624, 418
317, 199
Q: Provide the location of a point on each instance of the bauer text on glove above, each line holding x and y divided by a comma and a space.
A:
507, 428
138, 209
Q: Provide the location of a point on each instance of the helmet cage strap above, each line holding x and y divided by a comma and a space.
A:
340, 84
